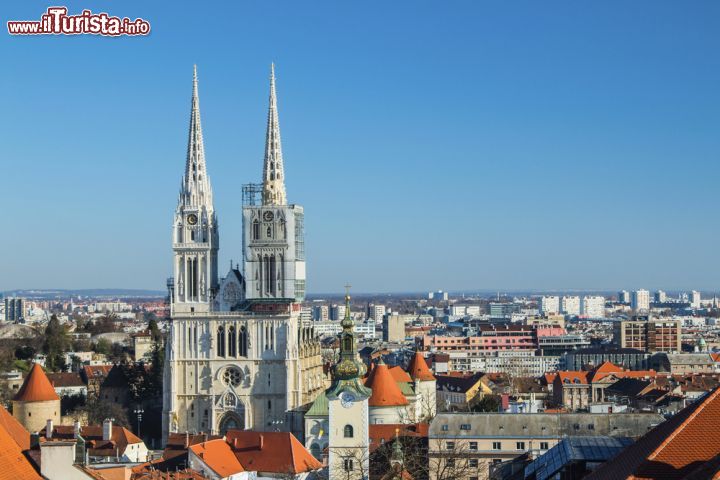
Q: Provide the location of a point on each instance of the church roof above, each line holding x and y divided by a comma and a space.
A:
385, 390
320, 407
15, 429
36, 388
418, 368
400, 375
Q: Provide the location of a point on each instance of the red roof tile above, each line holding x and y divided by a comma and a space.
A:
36, 388
385, 391
272, 452
400, 375
672, 450
418, 368
218, 455
15, 429
14, 465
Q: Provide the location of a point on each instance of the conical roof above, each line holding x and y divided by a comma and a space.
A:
36, 388
418, 368
385, 391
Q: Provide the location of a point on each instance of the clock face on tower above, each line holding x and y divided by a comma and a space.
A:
192, 219
347, 399
268, 216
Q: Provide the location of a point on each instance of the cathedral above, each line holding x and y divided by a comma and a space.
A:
237, 355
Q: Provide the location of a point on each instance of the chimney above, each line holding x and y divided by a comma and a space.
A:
187, 439
261, 442
107, 429
235, 443
49, 429
76, 429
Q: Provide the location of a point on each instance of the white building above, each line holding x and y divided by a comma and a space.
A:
640, 300
376, 312
660, 297
237, 357
570, 305
624, 296
593, 306
695, 299
550, 304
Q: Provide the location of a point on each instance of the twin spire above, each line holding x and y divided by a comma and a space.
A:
273, 171
196, 189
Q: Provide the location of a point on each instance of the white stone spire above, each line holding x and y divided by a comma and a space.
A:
273, 171
196, 190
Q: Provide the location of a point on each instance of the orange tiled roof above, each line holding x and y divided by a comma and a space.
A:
218, 455
672, 450
15, 429
400, 375
385, 391
418, 368
14, 465
385, 432
120, 438
572, 378
272, 452
36, 388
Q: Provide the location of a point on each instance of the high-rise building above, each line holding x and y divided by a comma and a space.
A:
695, 299
640, 300
660, 297
649, 335
15, 309
321, 313
337, 312
624, 296
376, 312
593, 306
237, 354
394, 328
570, 305
550, 304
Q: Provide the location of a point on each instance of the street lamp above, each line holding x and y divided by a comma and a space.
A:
138, 411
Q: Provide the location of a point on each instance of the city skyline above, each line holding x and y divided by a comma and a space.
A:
542, 176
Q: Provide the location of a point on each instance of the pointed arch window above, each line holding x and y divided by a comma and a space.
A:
232, 342
348, 431
256, 229
242, 341
221, 341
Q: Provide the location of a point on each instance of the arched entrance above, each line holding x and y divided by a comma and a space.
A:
232, 421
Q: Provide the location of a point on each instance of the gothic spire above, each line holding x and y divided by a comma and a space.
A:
273, 171
196, 189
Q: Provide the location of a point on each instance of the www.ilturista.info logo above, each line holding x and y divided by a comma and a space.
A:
57, 22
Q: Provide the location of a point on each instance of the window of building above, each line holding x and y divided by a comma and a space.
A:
591, 426
221, 341
473, 462
232, 341
348, 465
450, 462
445, 428
449, 445
348, 431
544, 445
473, 445
465, 426
497, 446
520, 446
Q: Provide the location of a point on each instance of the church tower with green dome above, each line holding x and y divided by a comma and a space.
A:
348, 436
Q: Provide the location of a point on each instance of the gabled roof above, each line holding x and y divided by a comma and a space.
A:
218, 456
13, 464
419, 370
65, 379
15, 429
603, 370
120, 438
461, 384
672, 450
385, 391
36, 388
272, 452
572, 378
386, 432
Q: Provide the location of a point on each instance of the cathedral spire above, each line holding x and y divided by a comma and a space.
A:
273, 171
196, 189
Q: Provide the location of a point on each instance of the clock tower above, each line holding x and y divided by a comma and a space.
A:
348, 436
195, 228
273, 231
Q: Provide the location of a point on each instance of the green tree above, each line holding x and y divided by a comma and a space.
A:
102, 346
488, 403
57, 342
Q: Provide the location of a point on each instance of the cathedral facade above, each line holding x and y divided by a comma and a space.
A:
237, 356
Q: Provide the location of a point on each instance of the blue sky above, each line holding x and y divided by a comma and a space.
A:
434, 145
